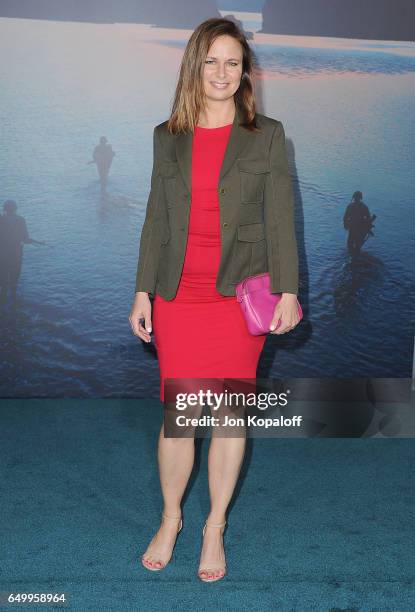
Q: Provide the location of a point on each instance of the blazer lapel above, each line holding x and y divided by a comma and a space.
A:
238, 139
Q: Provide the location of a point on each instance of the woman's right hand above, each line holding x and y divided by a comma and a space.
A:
141, 309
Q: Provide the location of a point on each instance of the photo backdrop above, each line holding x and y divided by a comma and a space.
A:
82, 86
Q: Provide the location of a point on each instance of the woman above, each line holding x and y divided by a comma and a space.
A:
229, 162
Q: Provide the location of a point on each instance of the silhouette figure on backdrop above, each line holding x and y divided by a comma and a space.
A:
102, 157
359, 222
13, 232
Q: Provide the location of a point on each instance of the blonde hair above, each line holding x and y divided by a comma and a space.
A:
189, 97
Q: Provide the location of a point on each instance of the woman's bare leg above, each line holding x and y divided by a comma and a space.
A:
175, 461
224, 463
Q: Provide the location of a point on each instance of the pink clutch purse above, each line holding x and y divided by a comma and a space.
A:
258, 303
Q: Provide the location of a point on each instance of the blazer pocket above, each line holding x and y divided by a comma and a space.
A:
252, 173
250, 252
252, 232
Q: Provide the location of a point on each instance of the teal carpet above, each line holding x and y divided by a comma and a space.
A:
315, 524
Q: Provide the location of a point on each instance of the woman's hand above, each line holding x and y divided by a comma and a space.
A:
287, 310
141, 309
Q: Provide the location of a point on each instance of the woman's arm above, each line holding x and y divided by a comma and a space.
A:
150, 237
283, 243
279, 218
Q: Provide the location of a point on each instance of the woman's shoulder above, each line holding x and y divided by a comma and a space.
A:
161, 128
162, 125
266, 121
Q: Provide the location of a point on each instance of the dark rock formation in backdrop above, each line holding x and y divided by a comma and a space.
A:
368, 19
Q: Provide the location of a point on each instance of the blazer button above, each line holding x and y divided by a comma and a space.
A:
222, 190
225, 224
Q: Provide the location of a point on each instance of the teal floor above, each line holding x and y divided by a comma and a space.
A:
315, 524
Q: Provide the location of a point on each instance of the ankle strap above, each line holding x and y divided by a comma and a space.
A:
172, 518
215, 524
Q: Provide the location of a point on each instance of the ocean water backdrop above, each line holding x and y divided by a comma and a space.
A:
348, 112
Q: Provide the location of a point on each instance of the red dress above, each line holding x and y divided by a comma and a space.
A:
202, 333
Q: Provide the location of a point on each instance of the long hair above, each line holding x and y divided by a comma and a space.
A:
189, 97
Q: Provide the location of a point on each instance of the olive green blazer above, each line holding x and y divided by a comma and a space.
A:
256, 211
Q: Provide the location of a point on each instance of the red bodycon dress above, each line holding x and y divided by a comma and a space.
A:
202, 333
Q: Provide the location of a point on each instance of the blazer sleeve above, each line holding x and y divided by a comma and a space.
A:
150, 236
283, 253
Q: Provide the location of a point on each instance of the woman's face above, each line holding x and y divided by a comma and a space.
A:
223, 68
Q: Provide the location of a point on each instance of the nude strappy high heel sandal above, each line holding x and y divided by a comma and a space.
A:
164, 563
212, 568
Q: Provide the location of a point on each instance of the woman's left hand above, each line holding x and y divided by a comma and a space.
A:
287, 310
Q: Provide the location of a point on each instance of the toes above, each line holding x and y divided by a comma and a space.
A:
211, 574
151, 562
148, 561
